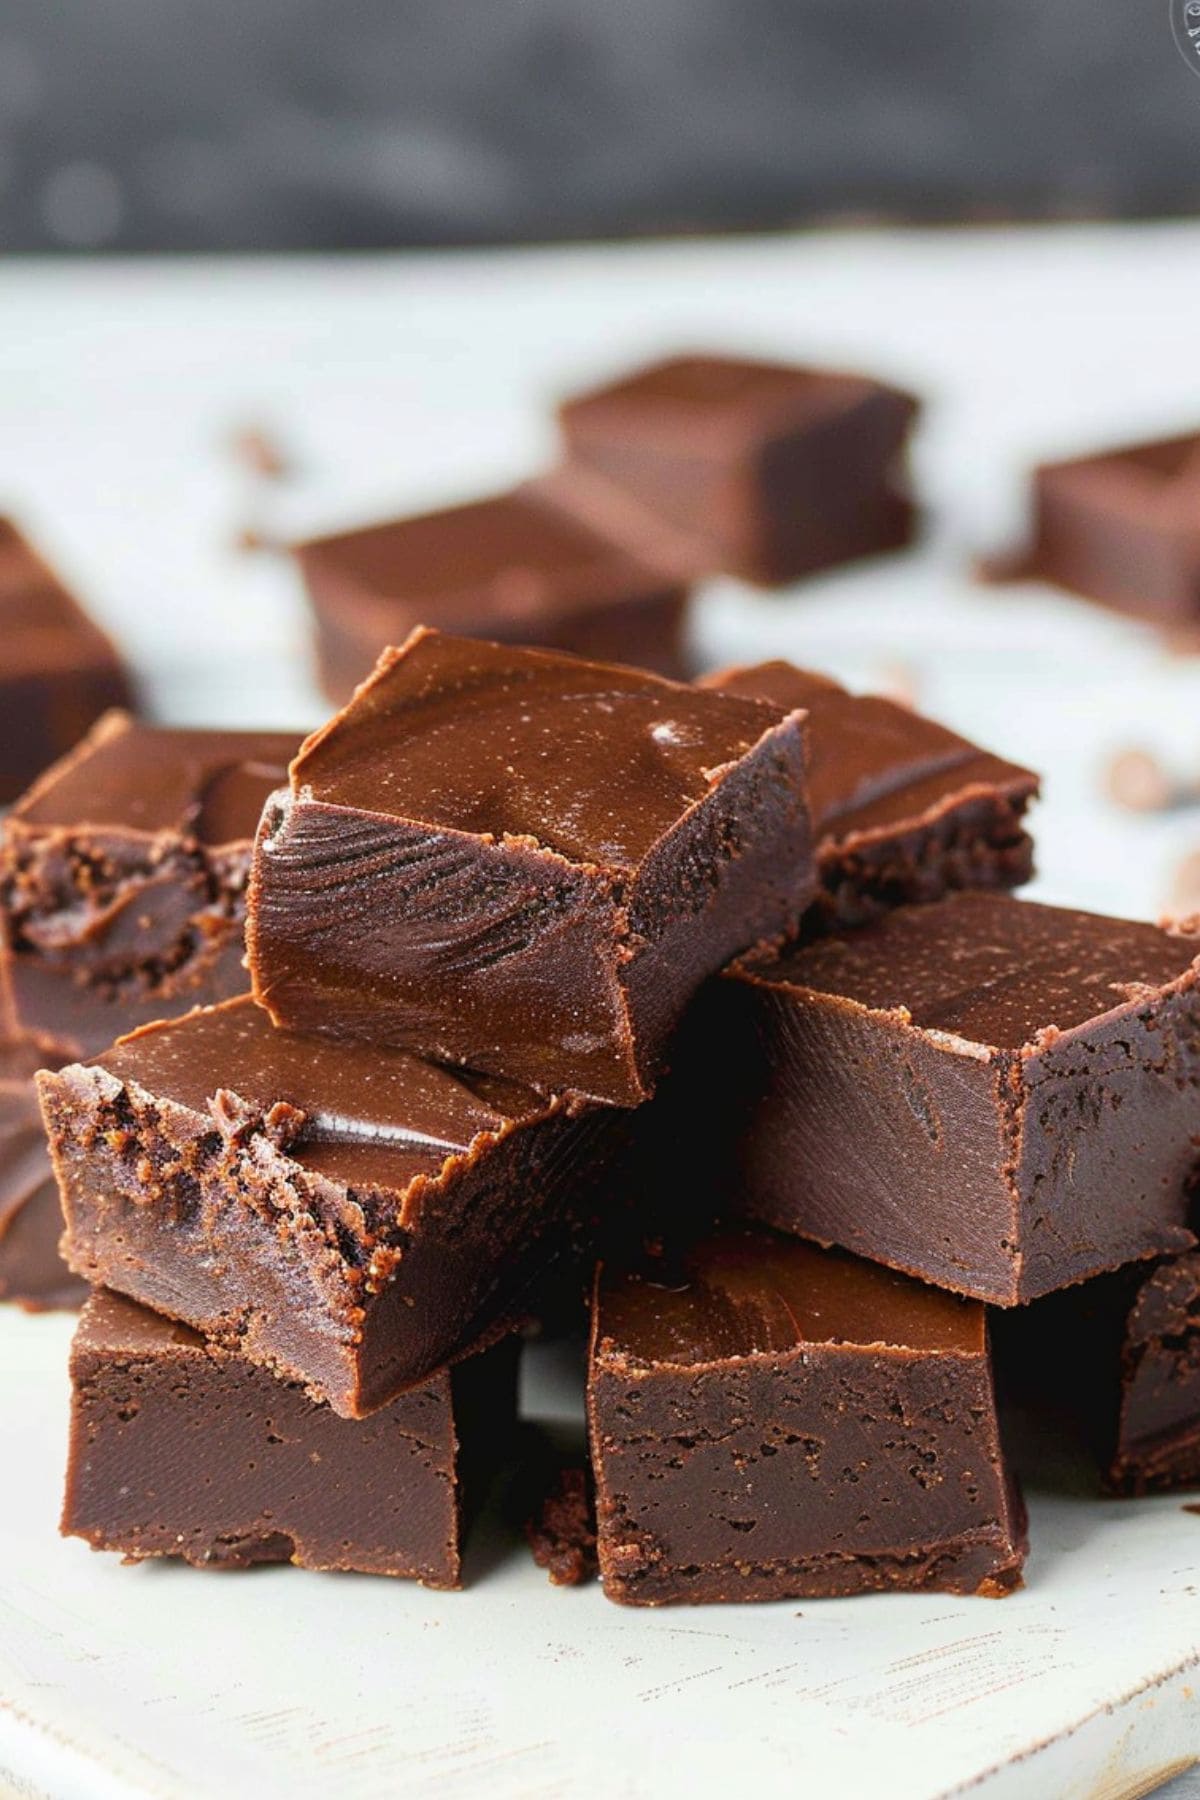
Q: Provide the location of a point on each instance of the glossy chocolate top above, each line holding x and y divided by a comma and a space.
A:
350, 1111
691, 403
41, 624
586, 759
518, 554
872, 764
754, 1293
989, 969
205, 785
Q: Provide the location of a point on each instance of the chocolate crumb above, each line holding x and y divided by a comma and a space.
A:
238, 1120
562, 1534
250, 539
260, 453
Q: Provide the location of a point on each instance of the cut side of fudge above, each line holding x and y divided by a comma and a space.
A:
770, 1420
181, 1448
996, 1096
352, 1217
903, 810
123, 880
526, 863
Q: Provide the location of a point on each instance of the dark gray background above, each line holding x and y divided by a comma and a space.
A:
278, 123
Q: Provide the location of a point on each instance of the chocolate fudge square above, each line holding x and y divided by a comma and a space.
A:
1119, 1358
510, 568
182, 1448
903, 810
123, 880
58, 673
526, 863
1000, 1097
772, 472
350, 1216
1120, 528
771, 1421
32, 1272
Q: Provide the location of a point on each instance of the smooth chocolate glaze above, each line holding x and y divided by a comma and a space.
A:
361, 1113
997, 1096
182, 1448
748, 1293
513, 567
903, 809
1118, 527
59, 671
122, 880
526, 863
590, 762
766, 471
200, 784
731, 1391
348, 1215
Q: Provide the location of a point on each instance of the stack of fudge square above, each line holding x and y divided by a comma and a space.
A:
707, 1002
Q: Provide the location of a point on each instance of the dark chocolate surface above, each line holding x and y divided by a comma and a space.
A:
1116, 1361
747, 1293
1118, 527
592, 762
701, 404
997, 1096
903, 809
205, 785
995, 972
762, 470
181, 1448
122, 880
59, 671
513, 568
1158, 1429
526, 863
361, 1113
732, 1397
347, 1215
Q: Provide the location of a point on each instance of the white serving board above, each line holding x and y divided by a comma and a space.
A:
404, 381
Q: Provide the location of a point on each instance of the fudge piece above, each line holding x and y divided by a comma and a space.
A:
59, 672
1119, 1357
351, 1216
122, 880
1120, 528
770, 472
525, 862
31, 1270
511, 568
1000, 1097
769, 1420
902, 809
182, 1448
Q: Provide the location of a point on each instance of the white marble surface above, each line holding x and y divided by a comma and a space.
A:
399, 382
